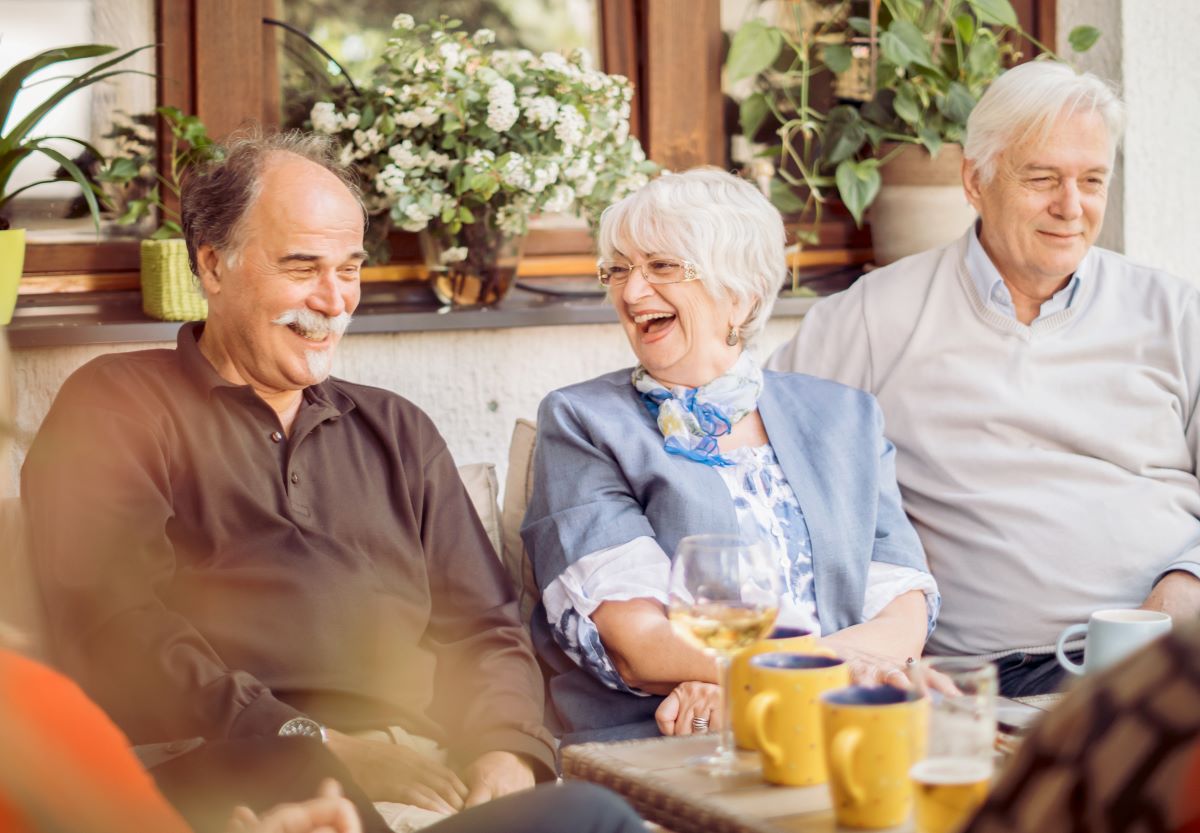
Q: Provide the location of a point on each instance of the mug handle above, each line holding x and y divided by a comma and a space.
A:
1059, 650
756, 714
841, 762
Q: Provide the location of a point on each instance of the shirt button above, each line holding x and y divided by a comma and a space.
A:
295, 477
276, 437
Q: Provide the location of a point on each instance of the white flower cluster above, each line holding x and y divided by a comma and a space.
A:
455, 132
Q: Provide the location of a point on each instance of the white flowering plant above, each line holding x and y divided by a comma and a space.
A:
454, 133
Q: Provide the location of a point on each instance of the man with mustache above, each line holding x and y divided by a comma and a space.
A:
1041, 391
233, 544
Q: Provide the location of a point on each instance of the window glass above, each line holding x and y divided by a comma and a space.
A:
122, 105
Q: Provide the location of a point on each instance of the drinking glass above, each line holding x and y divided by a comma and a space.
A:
724, 595
952, 778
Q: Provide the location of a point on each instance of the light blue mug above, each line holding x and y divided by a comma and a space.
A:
1112, 635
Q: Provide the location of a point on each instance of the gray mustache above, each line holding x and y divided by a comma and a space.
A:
312, 323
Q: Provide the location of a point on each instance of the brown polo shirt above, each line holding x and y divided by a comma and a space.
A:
205, 575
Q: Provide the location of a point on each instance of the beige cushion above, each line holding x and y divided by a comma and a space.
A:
20, 604
484, 490
518, 486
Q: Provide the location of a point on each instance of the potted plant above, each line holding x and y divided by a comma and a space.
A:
895, 144
463, 142
169, 290
17, 143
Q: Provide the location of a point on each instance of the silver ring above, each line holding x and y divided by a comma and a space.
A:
699, 724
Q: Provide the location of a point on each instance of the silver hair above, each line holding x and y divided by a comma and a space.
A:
309, 322
1025, 102
718, 221
216, 196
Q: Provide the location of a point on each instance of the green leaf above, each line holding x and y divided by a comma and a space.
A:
167, 230
910, 9
465, 215
997, 12
133, 212
121, 170
957, 104
844, 134
857, 184
983, 58
11, 81
80, 179
755, 47
1083, 38
930, 138
837, 57
861, 25
906, 104
784, 198
903, 44
965, 24
367, 119
751, 112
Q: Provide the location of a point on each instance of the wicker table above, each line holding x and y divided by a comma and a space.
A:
653, 776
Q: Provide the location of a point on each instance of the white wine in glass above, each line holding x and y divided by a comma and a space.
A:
724, 596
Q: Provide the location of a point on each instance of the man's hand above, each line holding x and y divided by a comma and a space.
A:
329, 812
494, 774
388, 772
1178, 594
686, 701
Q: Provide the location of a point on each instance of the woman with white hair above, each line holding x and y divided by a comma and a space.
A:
698, 439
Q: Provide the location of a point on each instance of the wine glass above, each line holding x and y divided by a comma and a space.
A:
724, 595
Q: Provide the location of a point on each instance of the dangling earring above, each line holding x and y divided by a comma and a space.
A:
732, 338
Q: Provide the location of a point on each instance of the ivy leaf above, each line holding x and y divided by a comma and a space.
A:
1083, 38
965, 24
906, 104
755, 47
784, 198
931, 139
857, 184
957, 104
998, 12
861, 25
837, 57
983, 58
844, 134
751, 113
903, 44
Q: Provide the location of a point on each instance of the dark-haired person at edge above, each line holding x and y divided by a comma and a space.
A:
232, 545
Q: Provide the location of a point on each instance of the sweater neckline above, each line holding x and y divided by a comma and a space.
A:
1040, 327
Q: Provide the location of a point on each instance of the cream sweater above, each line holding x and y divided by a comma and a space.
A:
1050, 470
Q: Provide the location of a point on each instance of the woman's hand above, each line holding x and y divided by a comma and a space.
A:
329, 812
686, 702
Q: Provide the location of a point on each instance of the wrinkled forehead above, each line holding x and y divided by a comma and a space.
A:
1074, 136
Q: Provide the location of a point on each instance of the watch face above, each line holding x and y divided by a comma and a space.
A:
301, 726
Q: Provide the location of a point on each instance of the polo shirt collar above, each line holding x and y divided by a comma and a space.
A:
324, 396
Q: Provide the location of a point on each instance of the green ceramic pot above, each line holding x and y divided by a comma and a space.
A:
12, 261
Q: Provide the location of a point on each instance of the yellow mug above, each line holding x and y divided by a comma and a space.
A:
785, 717
873, 736
782, 639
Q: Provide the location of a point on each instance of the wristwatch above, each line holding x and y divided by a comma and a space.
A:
304, 727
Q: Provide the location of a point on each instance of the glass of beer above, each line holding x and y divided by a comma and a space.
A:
951, 781
724, 595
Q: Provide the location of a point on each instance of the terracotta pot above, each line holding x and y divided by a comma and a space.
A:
12, 261
921, 204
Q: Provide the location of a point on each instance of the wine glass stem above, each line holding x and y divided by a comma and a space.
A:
725, 741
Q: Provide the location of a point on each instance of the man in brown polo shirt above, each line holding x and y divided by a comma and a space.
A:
230, 543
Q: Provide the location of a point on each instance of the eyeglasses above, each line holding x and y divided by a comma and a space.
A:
656, 270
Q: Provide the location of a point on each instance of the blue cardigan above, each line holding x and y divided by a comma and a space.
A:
602, 478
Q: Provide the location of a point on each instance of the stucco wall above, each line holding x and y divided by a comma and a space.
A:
474, 384
1148, 49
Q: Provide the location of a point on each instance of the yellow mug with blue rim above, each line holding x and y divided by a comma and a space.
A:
781, 639
784, 714
873, 736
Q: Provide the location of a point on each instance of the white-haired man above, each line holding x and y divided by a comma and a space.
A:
233, 544
1040, 391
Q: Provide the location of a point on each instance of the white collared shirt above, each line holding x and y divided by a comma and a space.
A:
994, 292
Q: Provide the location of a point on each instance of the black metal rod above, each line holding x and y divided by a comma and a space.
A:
297, 31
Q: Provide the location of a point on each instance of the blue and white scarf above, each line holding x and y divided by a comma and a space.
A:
691, 419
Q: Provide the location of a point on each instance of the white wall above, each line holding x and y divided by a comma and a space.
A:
473, 383
1149, 50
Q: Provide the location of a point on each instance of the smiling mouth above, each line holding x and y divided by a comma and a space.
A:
652, 322
312, 336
